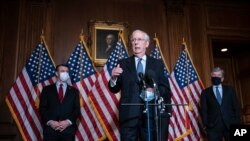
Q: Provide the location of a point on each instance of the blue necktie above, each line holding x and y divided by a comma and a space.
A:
139, 67
218, 96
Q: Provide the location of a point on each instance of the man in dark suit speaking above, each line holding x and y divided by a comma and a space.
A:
133, 120
59, 108
219, 108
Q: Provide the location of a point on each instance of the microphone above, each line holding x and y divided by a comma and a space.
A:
150, 76
142, 78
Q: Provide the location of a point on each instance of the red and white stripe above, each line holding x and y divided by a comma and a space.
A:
178, 120
106, 105
21, 102
89, 128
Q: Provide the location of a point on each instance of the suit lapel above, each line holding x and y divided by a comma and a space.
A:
67, 93
55, 92
131, 67
223, 94
213, 95
148, 64
212, 92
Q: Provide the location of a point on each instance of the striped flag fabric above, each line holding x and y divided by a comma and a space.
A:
186, 88
83, 76
104, 102
23, 97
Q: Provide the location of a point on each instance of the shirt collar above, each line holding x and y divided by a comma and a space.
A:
143, 58
58, 83
219, 86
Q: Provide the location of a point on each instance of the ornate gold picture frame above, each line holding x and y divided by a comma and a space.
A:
104, 35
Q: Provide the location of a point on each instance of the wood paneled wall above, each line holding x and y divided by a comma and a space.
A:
197, 22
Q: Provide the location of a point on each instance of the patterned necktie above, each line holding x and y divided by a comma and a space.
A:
61, 93
139, 67
218, 96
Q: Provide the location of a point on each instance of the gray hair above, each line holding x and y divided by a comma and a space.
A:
146, 36
216, 69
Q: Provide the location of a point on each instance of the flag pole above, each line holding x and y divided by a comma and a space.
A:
121, 37
188, 54
120, 49
157, 45
187, 121
81, 50
37, 101
46, 46
188, 85
160, 52
40, 54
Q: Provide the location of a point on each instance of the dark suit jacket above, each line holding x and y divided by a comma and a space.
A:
129, 85
212, 112
51, 109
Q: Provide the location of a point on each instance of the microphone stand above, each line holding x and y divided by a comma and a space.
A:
144, 93
161, 105
148, 120
157, 115
147, 108
159, 108
158, 104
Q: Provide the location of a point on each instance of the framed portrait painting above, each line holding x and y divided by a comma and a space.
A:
104, 38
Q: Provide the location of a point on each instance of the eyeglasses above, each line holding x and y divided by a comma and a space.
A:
137, 39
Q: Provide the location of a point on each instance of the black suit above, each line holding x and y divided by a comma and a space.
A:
218, 118
51, 109
128, 83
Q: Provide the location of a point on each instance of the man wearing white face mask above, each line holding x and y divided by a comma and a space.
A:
59, 108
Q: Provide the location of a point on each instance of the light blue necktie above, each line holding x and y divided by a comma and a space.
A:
139, 67
218, 96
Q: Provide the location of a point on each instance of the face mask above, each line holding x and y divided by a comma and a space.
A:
64, 76
216, 80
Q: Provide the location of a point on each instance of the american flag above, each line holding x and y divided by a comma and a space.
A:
157, 54
23, 97
186, 88
105, 102
83, 75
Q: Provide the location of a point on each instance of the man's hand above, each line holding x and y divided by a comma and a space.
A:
54, 124
63, 125
116, 72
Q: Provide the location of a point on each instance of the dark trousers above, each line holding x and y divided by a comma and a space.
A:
58, 136
140, 132
218, 132
68, 138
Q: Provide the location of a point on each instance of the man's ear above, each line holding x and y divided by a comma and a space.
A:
222, 79
57, 74
147, 44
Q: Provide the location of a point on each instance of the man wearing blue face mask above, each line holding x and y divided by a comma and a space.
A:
219, 107
59, 108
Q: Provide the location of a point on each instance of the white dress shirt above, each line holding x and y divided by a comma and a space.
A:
220, 90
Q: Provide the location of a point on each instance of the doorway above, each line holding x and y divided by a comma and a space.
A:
235, 61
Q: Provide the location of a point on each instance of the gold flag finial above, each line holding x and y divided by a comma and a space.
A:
120, 33
42, 35
81, 36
